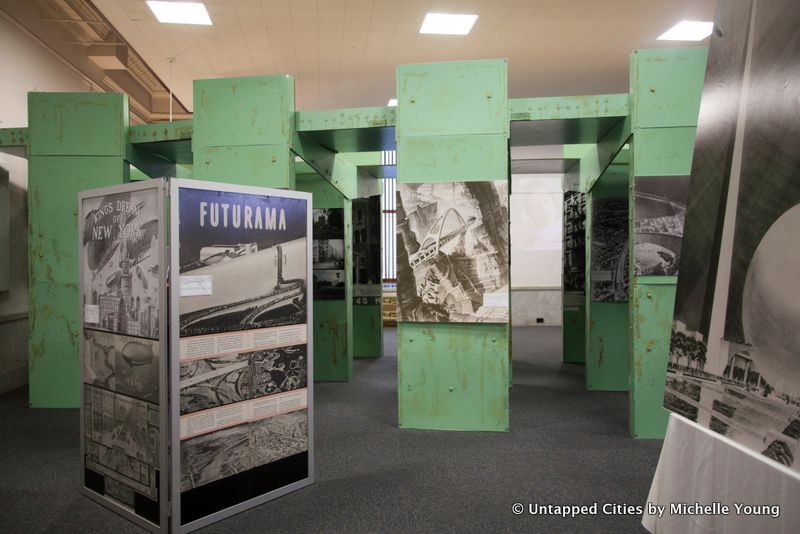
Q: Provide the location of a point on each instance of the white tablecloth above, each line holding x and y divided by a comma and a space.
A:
701, 466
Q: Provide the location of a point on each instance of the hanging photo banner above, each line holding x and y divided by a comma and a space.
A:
733, 364
452, 252
367, 218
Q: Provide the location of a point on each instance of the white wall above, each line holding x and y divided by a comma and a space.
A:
26, 66
536, 248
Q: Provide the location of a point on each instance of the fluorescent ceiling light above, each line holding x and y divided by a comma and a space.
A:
447, 24
688, 30
180, 12
392, 102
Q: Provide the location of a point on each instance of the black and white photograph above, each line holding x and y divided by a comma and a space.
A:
367, 219
217, 381
609, 250
124, 364
328, 223
733, 364
242, 261
119, 256
659, 217
245, 447
215, 456
122, 438
328, 254
452, 252
279, 437
574, 241
329, 285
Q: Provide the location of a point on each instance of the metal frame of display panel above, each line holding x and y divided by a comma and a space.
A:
174, 340
163, 450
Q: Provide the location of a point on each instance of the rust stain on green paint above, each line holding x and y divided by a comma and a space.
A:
601, 352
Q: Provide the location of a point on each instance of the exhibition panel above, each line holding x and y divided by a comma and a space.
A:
123, 350
367, 276
193, 412
240, 336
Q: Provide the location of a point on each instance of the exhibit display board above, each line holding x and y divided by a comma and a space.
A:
574, 280
734, 365
452, 252
123, 348
222, 377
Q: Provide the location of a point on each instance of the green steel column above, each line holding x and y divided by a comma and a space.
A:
77, 142
452, 125
606, 322
333, 319
243, 131
666, 86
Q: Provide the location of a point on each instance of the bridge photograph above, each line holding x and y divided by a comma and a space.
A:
455, 266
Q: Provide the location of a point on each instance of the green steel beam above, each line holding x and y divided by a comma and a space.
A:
345, 119
14, 141
568, 107
339, 169
161, 131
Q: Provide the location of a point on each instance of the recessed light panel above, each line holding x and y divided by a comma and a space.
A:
688, 30
180, 12
392, 102
447, 24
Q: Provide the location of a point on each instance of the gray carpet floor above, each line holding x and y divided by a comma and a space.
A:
565, 446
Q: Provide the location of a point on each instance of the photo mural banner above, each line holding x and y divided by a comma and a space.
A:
659, 217
609, 250
734, 363
574, 248
452, 252
121, 280
243, 370
328, 254
367, 216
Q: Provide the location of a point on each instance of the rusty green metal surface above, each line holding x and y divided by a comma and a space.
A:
14, 141
62, 124
652, 306
666, 86
345, 119
53, 186
260, 165
161, 131
663, 151
453, 376
255, 110
663, 85
568, 107
452, 125
573, 334
368, 322
451, 158
338, 169
606, 322
242, 131
333, 319
452, 98
349, 130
